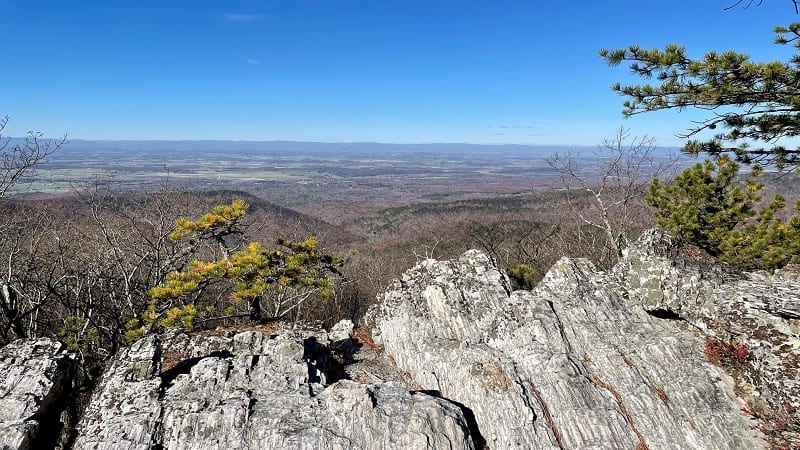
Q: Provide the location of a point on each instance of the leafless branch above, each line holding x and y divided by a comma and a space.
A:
20, 158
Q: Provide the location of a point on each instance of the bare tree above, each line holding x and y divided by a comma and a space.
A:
20, 158
604, 190
749, 3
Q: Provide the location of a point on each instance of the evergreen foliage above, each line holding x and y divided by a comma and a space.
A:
708, 206
522, 276
222, 219
279, 279
756, 103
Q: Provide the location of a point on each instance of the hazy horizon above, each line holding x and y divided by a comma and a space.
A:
505, 72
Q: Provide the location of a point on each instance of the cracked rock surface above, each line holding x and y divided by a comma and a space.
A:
35, 375
256, 390
666, 351
752, 320
568, 365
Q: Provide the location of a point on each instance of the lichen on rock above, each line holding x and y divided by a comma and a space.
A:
252, 390
668, 350
35, 377
570, 364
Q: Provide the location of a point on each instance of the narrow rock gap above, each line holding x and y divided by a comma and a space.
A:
469, 416
662, 313
564, 339
49, 416
157, 439
251, 405
526, 397
158, 353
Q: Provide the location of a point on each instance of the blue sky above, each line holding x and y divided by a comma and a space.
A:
523, 72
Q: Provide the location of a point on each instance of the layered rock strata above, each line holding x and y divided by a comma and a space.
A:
751, 319
35, 378
629, 359
256, 390
568, 365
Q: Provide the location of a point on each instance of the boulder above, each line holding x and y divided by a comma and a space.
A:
255, 390
35, 378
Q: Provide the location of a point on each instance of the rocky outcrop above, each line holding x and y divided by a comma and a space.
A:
569, 364
668, 350
254, 390
35, 377
752, 322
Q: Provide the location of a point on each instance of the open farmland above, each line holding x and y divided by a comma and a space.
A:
333, 182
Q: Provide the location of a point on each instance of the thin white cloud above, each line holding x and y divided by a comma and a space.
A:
509, 127
252, 61
236, 17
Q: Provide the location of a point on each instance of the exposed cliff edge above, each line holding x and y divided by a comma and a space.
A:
587, 360
35, 378
567, 365
254, 390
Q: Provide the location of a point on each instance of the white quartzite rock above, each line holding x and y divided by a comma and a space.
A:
34, 376
579, 362
568, 365
254, 390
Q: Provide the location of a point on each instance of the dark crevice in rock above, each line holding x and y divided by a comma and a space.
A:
469, 416
504, 281
787, 314
373, 401
564, 339
431, 392
251, 404
185, 366
158, 352
526, 397
320, 360
166, 378
665, 314
49, 417
70, 416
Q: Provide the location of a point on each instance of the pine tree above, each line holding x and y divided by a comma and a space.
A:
708, 206
278, 279
756, 103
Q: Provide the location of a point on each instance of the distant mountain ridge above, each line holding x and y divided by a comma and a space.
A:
326, 147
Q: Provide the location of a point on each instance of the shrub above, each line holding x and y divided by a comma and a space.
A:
279, 279
709, 207
522, 276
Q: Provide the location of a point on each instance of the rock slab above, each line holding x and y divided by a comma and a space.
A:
568, 365
255, 390
35, 376
751, 320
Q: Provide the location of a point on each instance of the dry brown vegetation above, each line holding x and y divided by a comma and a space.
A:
79, 266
